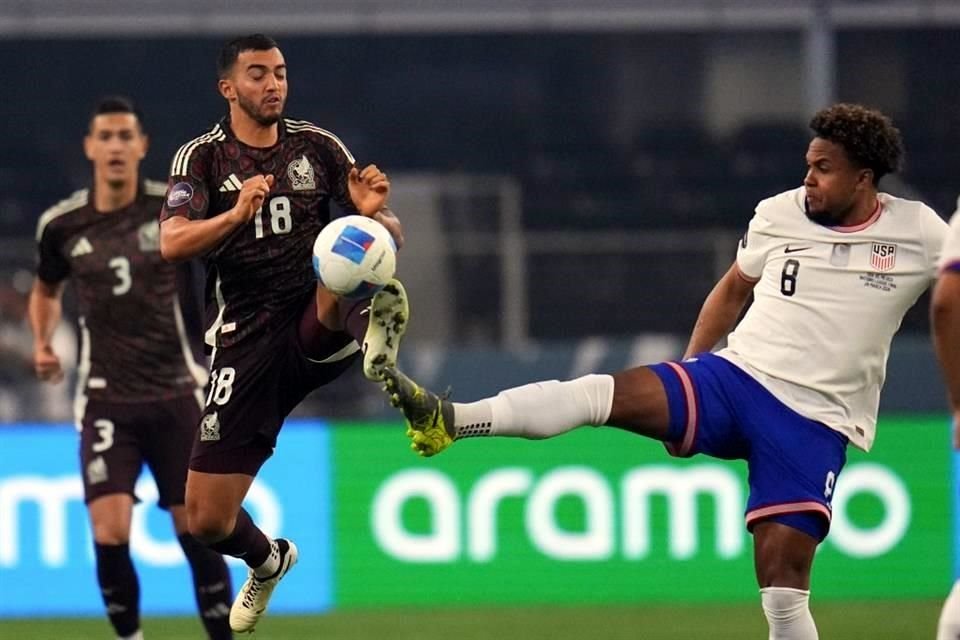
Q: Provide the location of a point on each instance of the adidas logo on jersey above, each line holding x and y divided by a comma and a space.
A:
81, 248
231, 184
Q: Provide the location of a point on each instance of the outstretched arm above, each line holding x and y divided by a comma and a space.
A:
720, 311
945, 321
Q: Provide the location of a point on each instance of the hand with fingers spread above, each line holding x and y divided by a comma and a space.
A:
252, 194
369, 189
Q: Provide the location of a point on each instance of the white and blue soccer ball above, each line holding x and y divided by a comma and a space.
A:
354, 256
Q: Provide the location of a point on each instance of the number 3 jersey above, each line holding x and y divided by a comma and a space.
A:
259, 276
827, 302
133, 342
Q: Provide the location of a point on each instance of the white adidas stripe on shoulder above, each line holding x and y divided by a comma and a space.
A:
298, 126
181, 159
155, 188
76, 200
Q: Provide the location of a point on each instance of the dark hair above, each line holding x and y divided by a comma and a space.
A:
116, 104
868, 136
232, 50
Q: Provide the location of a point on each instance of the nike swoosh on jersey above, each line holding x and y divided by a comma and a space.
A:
795, 249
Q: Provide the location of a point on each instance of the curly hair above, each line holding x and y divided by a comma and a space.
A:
868, 136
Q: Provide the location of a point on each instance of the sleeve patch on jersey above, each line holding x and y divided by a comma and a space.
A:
353, 243
179, 195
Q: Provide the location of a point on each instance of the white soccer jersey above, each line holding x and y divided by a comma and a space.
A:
950, 253
827, 303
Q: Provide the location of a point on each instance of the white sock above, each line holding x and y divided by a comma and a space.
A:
271, 565
949, 626
538, 410
136, 635
788, 613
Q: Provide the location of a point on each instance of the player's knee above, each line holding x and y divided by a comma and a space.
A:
788, 613
109, 534
783, 570
784, 553
207, 526
111, 531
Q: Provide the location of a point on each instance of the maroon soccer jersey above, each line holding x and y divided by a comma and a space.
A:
134, 345
259, 277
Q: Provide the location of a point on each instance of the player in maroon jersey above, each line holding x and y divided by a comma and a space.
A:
250, 197
138, 394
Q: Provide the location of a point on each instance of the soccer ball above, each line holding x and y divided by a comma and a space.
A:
354, 256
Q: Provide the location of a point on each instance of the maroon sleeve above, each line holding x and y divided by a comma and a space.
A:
188, 194
52, 265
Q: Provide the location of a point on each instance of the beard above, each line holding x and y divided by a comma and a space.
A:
824, 218
254, 112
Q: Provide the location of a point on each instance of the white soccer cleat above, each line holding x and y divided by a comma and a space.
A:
389, 313
254, 595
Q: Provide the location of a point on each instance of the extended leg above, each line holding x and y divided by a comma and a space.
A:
634, 400
377, 324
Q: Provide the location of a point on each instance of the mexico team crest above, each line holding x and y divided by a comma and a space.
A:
883, 256
148, 236
97, 471
210, 428
301, 175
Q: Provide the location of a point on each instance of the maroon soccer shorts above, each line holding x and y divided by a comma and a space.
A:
254, 386
118, 437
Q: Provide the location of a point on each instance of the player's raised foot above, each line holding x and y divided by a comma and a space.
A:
389, 313
254, 595
429, 416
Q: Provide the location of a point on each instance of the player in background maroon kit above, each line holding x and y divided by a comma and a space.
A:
250, 197
138, 391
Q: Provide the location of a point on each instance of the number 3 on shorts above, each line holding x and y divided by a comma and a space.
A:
105, 430
221, 385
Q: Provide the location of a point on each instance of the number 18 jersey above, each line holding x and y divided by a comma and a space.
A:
827, 302
259, 277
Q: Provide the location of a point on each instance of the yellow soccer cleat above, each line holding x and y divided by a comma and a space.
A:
429, 416
389, 314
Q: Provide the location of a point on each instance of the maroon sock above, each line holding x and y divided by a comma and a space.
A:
316, 340
246, 542
119, 587
211, 586
354, 316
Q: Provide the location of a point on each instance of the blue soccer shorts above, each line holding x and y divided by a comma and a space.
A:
719, 410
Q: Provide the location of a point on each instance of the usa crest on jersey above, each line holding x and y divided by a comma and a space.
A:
883, 256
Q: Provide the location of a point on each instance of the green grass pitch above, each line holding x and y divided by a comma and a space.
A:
877, 620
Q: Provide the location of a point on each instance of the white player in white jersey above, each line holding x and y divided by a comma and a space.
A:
945, 317
833, 266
